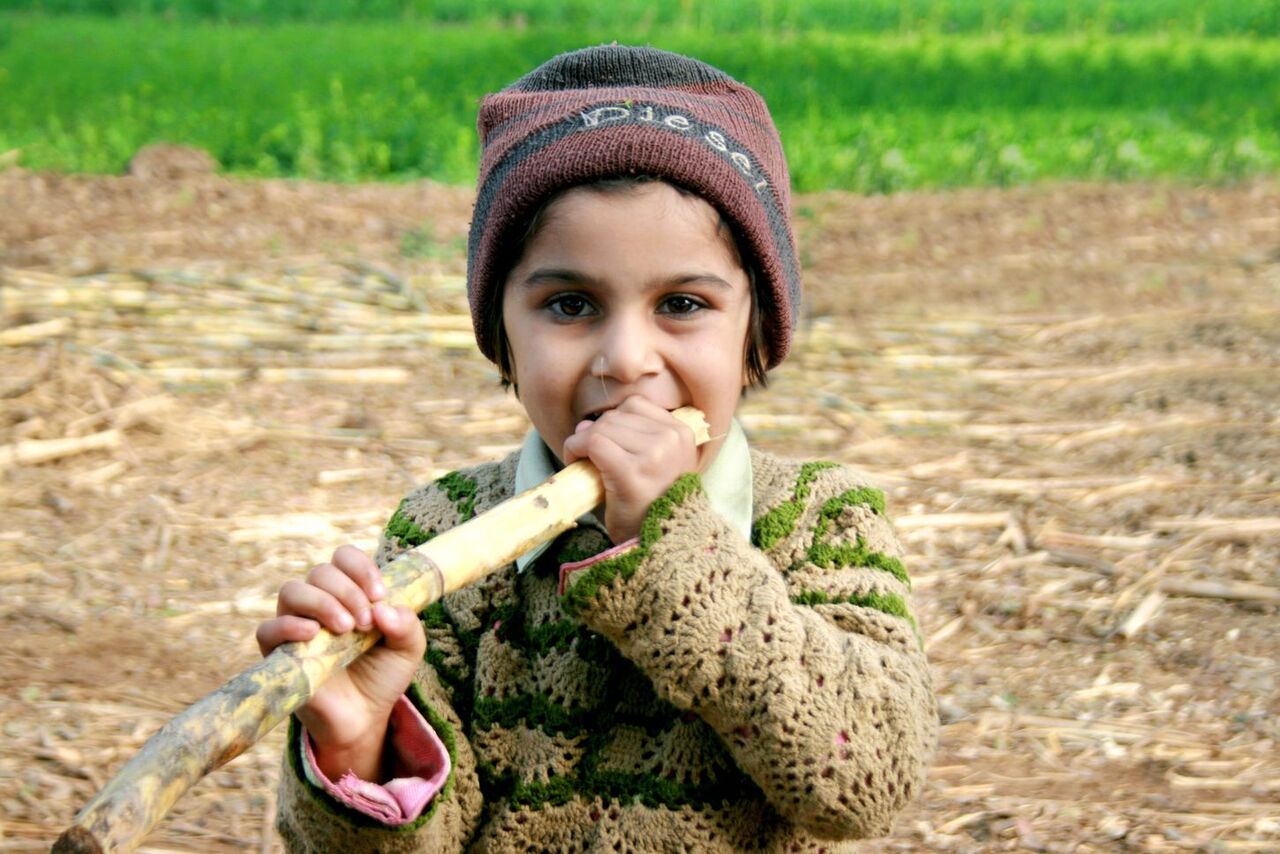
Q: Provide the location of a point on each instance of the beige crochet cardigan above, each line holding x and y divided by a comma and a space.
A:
696, 693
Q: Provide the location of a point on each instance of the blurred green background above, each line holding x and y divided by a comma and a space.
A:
871, 96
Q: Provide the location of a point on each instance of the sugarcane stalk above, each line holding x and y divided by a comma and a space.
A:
225, 723
35, 332
32, 451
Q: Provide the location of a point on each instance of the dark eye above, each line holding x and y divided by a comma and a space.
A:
681, 304
569, 305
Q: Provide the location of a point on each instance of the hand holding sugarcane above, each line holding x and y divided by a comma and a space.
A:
225, 723
638, 448
347, 716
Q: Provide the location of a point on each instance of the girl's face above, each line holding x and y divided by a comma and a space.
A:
622, 293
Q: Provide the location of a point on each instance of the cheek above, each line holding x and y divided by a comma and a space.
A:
546, 388
515, 330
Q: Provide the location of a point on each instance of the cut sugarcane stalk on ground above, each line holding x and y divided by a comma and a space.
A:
225, 723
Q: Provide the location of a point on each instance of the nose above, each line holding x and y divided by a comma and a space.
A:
628, 352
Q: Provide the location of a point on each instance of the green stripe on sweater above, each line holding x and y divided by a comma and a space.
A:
889, 603
886, 603
868, 496
461, 491
625, 565
560, 636
537, 711
531, 710
828, 556
408, 534
403, 531
458, 682
588, 783
436, 616
780, 522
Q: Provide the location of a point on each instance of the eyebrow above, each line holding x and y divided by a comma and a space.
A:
575, 277
556, 274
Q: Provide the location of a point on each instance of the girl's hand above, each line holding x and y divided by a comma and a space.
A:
347, 717
640, 450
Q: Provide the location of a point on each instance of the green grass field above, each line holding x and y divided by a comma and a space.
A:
859, 110
1202, 17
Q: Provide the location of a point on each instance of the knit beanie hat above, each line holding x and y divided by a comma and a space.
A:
614, 111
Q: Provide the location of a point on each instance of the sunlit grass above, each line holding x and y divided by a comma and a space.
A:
876, 113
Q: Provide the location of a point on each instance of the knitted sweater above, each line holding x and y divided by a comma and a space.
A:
694, 692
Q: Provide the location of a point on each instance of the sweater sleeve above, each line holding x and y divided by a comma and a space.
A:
419, 763
798, 649
310, 818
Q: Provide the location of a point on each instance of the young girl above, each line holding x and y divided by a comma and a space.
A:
721, 658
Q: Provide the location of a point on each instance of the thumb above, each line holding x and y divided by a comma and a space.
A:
401, 630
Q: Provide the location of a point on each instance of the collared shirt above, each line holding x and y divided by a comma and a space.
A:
727, 482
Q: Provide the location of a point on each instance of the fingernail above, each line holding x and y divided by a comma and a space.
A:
364, 619
379, 589
344, 622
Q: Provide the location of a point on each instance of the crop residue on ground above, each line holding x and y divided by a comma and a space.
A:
1067, 394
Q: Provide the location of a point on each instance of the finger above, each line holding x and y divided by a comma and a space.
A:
580, 445
631, 433
362, 569
575, 447
342, 587
607, 455
401, 629
297, 598
644, 414
651, 422
272, 633
661, 416
649, 438
641, 405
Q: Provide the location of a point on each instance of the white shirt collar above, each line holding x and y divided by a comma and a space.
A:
727, 482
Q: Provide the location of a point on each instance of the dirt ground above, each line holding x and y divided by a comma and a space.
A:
1071, 394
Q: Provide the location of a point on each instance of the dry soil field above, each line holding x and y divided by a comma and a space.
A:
1070, 393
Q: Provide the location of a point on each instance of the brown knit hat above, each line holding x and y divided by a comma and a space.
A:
614, 111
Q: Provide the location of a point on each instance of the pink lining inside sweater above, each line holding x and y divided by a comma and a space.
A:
568, 569
419, 761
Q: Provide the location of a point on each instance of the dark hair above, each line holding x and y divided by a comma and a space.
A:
757, 352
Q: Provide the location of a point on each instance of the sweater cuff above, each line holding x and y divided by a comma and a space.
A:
570, 572
419, 762
621, 562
